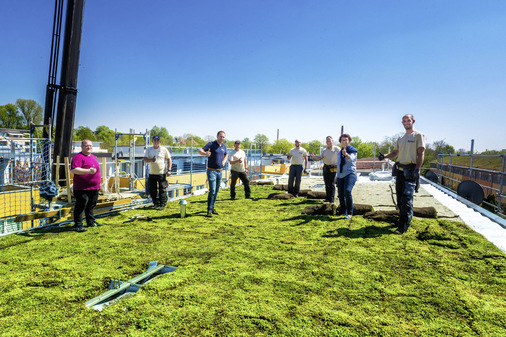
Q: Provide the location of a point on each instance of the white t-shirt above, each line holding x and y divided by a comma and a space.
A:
162, 155
298, 155
234, 155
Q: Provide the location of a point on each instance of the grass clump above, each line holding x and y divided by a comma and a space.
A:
259, 268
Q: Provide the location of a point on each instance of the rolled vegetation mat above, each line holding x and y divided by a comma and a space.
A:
316, 195
303, 193
393, 215
278, 196
261, 182
320, 209
361, 209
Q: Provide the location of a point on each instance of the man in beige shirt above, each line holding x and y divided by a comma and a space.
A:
298, 155
329, 156
410, 151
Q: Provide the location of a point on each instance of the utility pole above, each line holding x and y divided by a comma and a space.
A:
68, 81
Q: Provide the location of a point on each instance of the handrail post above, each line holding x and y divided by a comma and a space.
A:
501, 184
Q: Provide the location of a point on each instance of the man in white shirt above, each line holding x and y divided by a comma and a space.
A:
239, 169
298, 155
157, 156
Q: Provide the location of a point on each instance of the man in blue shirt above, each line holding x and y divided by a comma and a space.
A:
216, 152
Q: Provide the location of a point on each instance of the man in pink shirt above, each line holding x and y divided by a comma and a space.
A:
87, 180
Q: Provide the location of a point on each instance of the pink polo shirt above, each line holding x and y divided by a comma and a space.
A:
86, 181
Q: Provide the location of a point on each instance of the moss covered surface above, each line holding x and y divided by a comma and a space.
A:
259, 268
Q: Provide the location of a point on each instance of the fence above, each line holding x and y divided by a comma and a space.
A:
492, 182
185, 161
25, 167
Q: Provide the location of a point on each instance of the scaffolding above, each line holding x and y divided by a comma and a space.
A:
25, 167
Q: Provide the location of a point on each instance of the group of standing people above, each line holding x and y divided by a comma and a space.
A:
339, 169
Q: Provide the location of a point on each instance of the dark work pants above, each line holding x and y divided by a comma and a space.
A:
404, 190
295, 175
245, 182
157, 186
329, 178
86, 201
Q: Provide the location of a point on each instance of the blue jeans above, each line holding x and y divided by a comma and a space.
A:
344, 188
404, 190
295, 174
214, 180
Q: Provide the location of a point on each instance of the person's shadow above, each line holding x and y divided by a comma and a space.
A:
372, 231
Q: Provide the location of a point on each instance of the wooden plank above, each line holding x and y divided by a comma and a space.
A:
57, 178
67, 177
44, 214
103, 170
116, 178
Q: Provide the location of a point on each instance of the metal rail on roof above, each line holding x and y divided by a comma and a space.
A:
119, 288
481, 210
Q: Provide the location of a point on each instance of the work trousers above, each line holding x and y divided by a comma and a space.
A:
157, 186
404, 190
295, 175
86, 200
245, 181
329, 178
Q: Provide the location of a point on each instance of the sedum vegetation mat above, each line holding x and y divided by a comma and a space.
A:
260, 268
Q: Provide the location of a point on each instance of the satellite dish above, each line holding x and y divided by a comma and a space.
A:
431, 176
471, 191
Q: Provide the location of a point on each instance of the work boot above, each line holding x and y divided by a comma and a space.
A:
80, 229
209, 214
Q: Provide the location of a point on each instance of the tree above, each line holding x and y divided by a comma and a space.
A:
82, 133
262, 142
197, 141
31, 111
245, 143
313, 146
165, 137
388, 144
9, 116
281, 146
438, 147
105, 135
365, 150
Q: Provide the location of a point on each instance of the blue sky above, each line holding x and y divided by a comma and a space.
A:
248, 67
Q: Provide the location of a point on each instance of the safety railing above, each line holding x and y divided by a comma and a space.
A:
25, 167
452, 169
